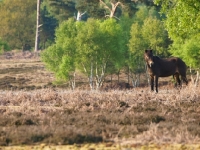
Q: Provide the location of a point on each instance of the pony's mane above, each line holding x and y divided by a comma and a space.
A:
156, 57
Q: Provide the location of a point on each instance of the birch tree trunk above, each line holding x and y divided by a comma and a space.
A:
72, 81
100, 78
112, 9
79, 16
134, 79
91, 77
194, 81
37, 27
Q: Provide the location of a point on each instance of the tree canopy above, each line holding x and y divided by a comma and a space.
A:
96, 37
183, 25
183, 17
88, 46
18, 23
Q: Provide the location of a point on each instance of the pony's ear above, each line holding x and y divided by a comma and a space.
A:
151, 50
146, 51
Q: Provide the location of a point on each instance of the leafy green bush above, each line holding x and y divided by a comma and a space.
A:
189, 51
86, 46
3, 46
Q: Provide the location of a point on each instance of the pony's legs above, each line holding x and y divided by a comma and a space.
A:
177, 79
152, 83
156, 80
183, 78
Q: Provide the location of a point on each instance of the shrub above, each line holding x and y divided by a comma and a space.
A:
3, 46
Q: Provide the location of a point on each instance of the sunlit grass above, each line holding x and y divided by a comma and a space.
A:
104, 146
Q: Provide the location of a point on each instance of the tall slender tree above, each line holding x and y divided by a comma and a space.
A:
37, 34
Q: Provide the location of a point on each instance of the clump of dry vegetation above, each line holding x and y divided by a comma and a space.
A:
55, 115
67, 117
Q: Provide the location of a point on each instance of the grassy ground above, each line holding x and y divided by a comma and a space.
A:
34, 112
106, 146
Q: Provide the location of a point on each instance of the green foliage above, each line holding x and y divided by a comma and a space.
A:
182, 17
60, 57
64, 9
87, 41
136, 48
49, 24
112, 36
99, 43
188, 51
141, 14
146, 32
145, 12
3, 46
18, 23
125, 23
60, 9
183, 26
85, 45
91, 7
155, 35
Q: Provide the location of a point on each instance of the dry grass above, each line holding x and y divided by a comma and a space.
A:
23, 74
132, 116
54, 115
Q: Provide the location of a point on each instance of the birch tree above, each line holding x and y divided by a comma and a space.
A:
37, 27
86, 46
137, 44
60, 58
99, 43
111, 9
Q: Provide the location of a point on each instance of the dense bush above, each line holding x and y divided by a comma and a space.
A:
3, 46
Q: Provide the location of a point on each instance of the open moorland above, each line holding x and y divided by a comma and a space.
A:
34, 111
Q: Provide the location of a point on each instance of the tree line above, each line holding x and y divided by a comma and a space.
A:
101, 37
100, 47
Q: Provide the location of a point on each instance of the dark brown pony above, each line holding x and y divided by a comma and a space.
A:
158, 67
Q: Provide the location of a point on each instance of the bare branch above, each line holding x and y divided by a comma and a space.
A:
116, 17
114, 6
83, 13
105, 6
112, 10
40, 25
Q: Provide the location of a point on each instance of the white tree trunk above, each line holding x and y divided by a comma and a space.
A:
79, 16
100, 78
91, 76
73, 81
195, 80
134, 79
37, 27
112, 9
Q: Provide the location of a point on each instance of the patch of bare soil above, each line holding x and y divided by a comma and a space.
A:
16, 78
23, 70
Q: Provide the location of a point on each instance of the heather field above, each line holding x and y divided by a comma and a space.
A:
35, 114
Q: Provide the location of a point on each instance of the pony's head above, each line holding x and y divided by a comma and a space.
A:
148, 57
